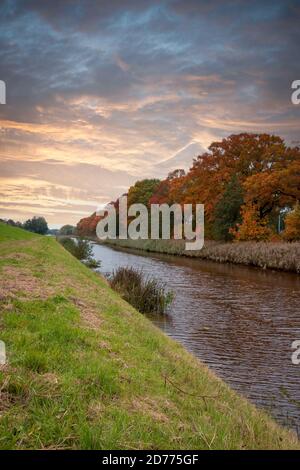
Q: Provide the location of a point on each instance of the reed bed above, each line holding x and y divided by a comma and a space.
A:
281, 256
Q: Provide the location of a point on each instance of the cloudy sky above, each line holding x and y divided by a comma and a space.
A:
102, 93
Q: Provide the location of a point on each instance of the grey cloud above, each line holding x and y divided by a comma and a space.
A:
153, 77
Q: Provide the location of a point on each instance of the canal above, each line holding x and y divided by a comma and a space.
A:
238, 320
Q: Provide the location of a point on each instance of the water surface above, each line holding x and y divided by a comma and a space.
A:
240, 321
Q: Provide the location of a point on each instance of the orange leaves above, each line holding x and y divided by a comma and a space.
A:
87, 226
275, 187
253, 227
162, 193
292, 225
264, 168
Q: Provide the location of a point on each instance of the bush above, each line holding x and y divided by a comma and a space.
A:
92, 263
36, 225
67, 230
82, 250
145, 294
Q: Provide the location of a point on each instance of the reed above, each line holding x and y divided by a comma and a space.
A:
146, 294
281, 256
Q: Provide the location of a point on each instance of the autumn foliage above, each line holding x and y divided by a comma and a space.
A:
87, 226
253, 227
245, 182
292, 224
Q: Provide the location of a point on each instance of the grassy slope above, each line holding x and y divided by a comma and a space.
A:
87, 371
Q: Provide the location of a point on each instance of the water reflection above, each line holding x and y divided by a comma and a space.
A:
240, 321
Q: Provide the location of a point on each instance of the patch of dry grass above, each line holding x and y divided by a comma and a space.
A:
18, 282
281, 256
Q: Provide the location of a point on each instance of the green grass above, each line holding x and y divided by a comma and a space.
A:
87, 371
8, 233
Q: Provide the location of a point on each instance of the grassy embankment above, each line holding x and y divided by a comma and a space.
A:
278, 255
85, 370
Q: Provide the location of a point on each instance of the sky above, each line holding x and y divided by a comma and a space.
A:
100, 94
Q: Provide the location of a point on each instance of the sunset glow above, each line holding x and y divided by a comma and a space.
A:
100, 94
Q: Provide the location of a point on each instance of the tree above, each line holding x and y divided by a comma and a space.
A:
14, 224
227, 210
82, 250
11, 222
253, 227
67, 230
141, 191
292, 224
277, 187
87, 225
36, 225
266, 168
178, 173
168, 190
260, 168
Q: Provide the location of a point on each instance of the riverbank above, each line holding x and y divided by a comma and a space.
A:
266, 255
87, 371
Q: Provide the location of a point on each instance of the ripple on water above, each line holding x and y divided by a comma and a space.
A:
240, 321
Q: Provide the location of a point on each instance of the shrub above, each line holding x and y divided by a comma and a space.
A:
92, 263
145, 294
82, 250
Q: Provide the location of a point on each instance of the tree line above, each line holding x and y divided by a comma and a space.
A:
36, 225
39, 225
249, 185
